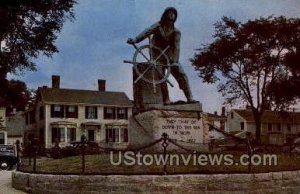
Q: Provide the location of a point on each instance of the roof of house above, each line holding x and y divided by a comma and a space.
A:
75, 96
271, 116
215, 116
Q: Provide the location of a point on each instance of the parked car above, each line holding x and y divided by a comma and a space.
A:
8, 158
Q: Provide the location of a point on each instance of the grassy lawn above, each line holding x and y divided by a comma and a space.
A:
101, 164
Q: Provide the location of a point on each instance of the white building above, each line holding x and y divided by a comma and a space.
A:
276, 127
63, 115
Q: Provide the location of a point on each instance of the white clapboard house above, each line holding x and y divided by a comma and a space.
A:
64, 115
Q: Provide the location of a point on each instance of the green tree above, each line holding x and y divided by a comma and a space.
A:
245, 59
288, 88
17, 96
27, 29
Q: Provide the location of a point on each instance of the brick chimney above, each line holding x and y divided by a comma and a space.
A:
101, 85
223, 111
55, 81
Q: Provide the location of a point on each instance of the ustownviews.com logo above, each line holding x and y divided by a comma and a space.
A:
130, 158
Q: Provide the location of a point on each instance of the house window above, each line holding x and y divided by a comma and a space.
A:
41, 113
91, 112
231, 114
269, 127
58, 134
278, 127
71, 134
289, 127
122, 113
71, 112
242, 126
57, 108
117, 135
57, 111
109, 113
2, 138
109, 135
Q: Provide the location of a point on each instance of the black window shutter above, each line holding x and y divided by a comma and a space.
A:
52, 110
76, 111
96, 112
86, 112
105, 115
107, 136
52, 133
58, 134
126, 113
67, 112
114, 113
62, 108
117, 116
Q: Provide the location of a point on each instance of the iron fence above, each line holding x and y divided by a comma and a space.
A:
29, 155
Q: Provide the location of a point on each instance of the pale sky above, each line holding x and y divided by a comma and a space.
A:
94, 45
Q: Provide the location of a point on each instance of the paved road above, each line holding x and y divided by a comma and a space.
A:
5, 184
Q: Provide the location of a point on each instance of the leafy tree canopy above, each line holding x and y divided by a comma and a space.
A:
29, 28
17, 96
246, 59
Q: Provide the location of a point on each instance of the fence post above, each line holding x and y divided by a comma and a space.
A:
249, 149
83, 142
35, 147
29, 151
18, 149
165, 145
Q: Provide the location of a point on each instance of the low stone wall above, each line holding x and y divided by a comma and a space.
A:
275, 182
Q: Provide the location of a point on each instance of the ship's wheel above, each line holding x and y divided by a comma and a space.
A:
159, 67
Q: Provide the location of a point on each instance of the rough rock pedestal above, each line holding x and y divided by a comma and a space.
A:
181, 122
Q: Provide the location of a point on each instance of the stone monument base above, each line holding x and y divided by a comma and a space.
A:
182, 122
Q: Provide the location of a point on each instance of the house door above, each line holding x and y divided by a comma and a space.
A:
91, 135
